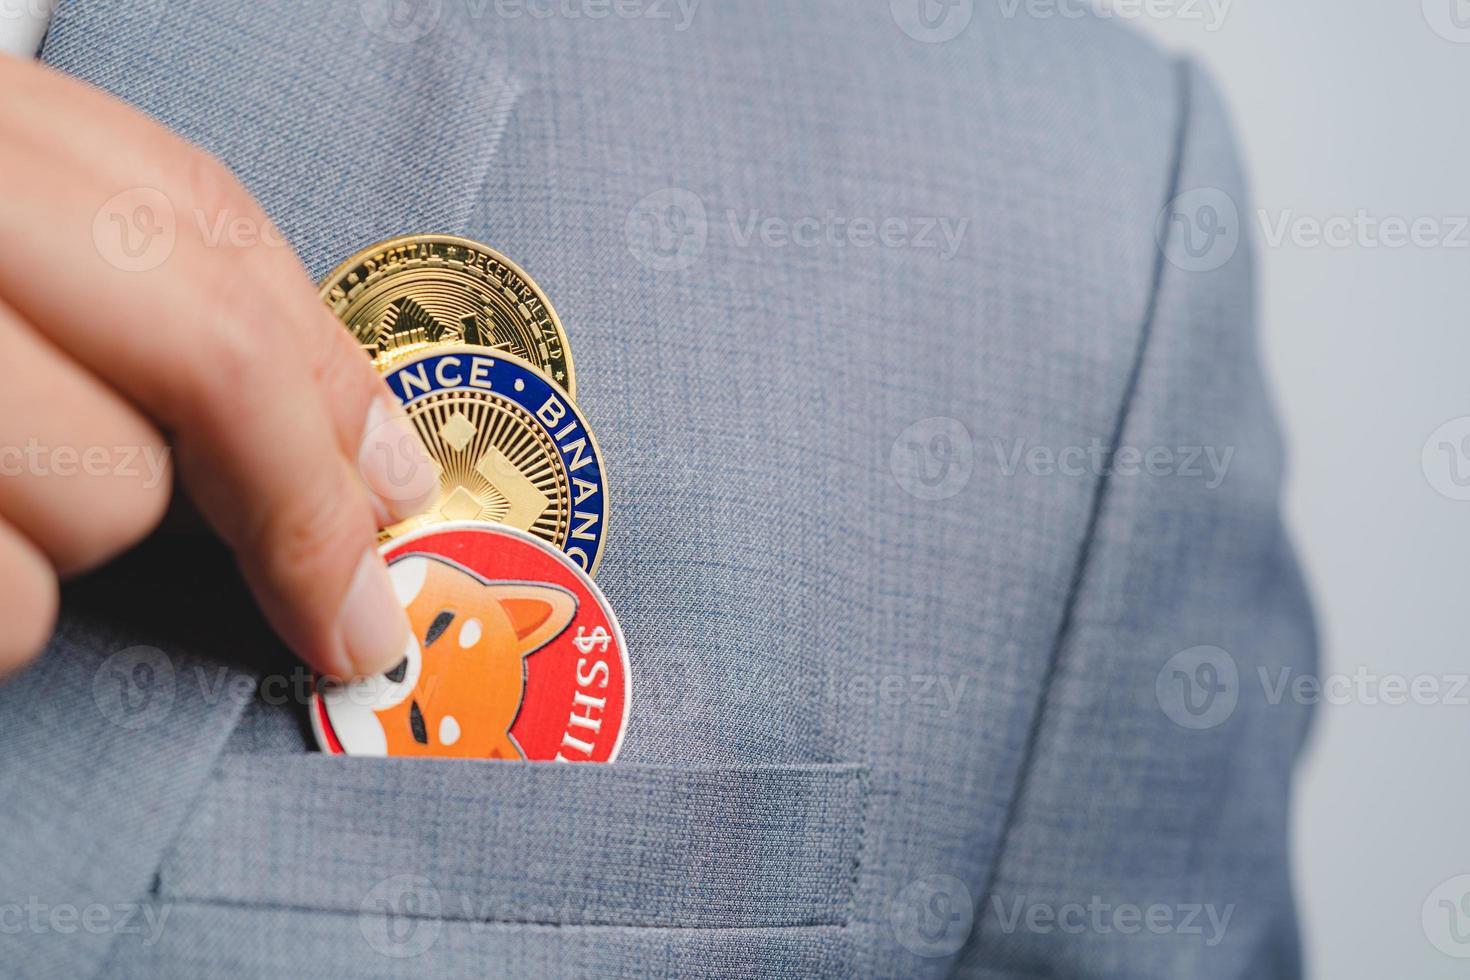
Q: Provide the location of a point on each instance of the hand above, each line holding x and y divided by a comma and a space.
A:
142, 330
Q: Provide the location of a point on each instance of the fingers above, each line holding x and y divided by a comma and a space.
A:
288, 442
152, 222
293, 509
28, 601
178, 253
371, 426
82, 474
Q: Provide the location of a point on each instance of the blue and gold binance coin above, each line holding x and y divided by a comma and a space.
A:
511, 447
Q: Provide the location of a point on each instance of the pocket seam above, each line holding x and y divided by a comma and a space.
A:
711, 847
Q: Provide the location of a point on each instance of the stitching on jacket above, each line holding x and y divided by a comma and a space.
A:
1099, 498
865, 793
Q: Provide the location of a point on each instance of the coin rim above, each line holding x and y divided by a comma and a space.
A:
490, 527
571, 402
324, 287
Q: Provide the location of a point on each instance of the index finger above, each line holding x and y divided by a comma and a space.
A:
228, 347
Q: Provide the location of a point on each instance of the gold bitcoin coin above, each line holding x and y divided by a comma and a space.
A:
410, 294
510, 446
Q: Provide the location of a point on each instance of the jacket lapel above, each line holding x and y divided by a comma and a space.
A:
350, 125
350, 120
107, 740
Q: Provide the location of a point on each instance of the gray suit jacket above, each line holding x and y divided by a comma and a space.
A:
944, 521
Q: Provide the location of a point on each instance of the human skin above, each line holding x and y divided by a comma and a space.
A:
218, 364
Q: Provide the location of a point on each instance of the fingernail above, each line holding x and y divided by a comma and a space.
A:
393, 463
373, 626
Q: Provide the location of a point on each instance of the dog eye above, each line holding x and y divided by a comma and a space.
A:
416, 722
438, 626
397, 674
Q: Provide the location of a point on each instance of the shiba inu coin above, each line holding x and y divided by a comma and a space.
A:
412, 293
510, 446
515, 655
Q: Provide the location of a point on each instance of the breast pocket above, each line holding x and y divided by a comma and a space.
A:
542, 843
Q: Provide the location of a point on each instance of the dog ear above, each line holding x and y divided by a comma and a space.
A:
408, 575
537, 613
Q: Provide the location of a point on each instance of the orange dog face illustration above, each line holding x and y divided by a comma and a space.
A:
458, 689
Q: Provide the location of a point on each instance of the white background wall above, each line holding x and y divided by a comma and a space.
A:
1344, 106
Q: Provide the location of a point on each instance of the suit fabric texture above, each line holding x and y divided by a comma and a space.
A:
883, 724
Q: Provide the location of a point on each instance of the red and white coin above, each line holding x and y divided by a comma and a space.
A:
515, 654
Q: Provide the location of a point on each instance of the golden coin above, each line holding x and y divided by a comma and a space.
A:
410, 294
510, 446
